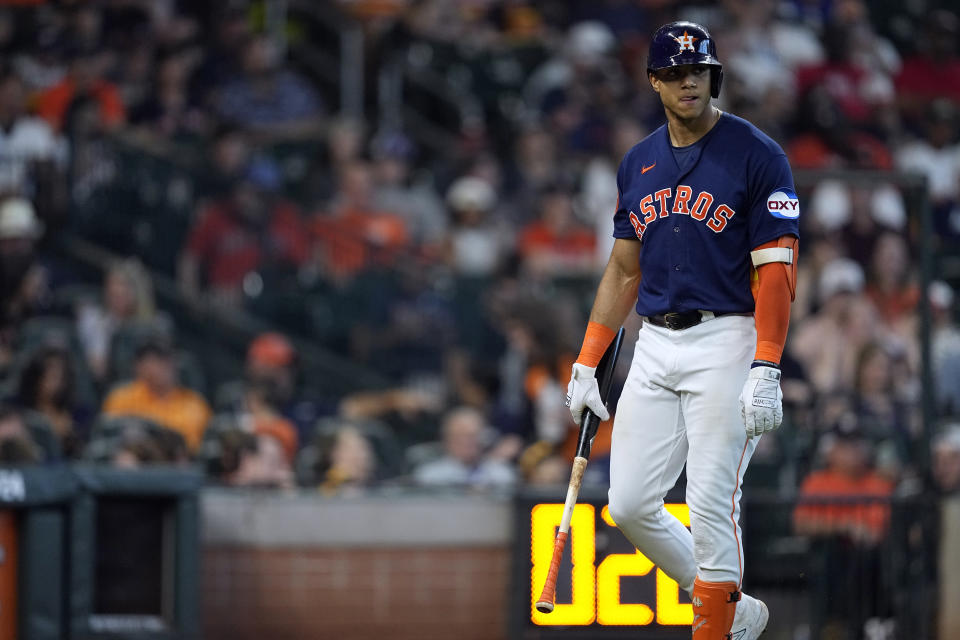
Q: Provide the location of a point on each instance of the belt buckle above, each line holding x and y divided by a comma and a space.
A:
673, 320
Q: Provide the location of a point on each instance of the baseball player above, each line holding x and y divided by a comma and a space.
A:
705, 248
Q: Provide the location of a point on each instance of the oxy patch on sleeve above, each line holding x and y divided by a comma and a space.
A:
783, 203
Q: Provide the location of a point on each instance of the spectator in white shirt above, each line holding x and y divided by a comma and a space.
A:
25, 140
465, 461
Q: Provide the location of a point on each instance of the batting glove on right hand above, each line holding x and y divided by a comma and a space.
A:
761, 401
583, 392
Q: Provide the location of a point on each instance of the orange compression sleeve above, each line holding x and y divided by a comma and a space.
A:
595, 342
772, 313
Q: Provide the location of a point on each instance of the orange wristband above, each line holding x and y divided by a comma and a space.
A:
595, 342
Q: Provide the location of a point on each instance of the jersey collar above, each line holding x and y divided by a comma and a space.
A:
665, 149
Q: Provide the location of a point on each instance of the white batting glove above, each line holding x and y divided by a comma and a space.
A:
761, 401
584, 392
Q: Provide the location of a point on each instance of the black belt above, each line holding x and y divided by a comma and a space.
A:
678, 320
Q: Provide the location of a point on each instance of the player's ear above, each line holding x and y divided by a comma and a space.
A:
654, 81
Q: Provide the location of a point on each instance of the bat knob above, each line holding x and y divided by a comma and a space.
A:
544, 607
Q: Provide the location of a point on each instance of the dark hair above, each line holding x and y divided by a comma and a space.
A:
231, 446
867, 352
28, 386
155, 344
15, 451
151, 442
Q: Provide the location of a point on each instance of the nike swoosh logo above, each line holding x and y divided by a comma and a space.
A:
645, 169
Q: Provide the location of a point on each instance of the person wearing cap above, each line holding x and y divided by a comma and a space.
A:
398, 189
21, 277
269, 388
476, 244
20, 229
269, 393
156, 394
236, 238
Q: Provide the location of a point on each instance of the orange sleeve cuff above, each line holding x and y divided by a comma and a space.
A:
595, 342
768, 351
772, 313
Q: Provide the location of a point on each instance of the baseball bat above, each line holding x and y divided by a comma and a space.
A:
589, 423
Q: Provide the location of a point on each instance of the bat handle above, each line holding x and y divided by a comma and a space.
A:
548, 595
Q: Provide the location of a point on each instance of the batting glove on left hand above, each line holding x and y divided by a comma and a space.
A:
584, 392
761, 401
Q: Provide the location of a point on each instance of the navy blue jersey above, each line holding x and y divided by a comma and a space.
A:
698, 226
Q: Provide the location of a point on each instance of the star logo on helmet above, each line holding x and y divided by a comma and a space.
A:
686, 41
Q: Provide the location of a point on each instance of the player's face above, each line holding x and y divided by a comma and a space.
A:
684, 90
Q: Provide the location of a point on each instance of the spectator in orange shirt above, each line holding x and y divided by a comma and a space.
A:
155, 394
259, 416
847, 476
352, 234
844, 508
557, 243
84, 81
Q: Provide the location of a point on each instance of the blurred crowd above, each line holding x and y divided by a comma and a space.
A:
449, 240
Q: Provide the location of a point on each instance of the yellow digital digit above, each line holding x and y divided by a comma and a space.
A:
544, 520
605, 514
680, 511
669, 609
609, 608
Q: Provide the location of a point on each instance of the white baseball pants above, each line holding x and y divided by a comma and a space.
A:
680, 404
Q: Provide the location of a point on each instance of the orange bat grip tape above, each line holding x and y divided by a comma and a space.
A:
550, 586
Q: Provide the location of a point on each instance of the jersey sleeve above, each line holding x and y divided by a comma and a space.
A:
774, 206
622, 227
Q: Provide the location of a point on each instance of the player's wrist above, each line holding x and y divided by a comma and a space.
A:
765, 363
768, 351
595, 342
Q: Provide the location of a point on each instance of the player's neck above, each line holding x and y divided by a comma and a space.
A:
686, 131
